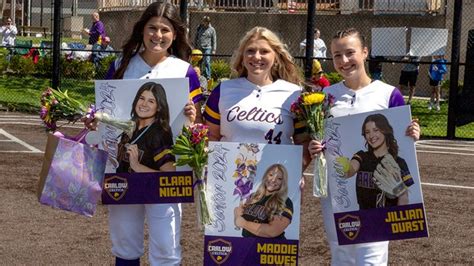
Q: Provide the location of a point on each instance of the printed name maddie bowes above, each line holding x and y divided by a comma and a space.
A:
254, 196
375, 186
137, 156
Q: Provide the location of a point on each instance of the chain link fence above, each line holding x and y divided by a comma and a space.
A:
394, 29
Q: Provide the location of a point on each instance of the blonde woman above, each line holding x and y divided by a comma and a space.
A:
268, 211
255, 107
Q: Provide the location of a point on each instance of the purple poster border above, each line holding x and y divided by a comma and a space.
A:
381, 224
222, 250
148, 188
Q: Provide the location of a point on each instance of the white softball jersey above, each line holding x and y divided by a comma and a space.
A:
250, 113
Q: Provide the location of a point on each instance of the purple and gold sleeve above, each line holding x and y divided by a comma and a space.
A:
211, 112
300, 126
288, 210
195, 92
359, 156
405, 172
396, 99
162, 156
162, 153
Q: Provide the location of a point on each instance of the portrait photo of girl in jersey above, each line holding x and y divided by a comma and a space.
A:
269, 210
146, 150
383, 177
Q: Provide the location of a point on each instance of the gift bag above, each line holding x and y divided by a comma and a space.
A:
72, 175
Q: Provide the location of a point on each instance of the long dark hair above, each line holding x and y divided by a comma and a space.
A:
384, 126
162, 116
180, 47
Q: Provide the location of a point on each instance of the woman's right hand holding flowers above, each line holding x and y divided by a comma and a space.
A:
90, 123
89, 119
315, 147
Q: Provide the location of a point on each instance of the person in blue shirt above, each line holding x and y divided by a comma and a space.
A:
437, 70
102, 50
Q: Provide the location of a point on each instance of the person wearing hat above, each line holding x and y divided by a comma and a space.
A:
317, 76
206, 41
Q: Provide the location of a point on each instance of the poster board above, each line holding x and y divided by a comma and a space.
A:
230, 166
115, 98
389, 42
361, 212
428, 41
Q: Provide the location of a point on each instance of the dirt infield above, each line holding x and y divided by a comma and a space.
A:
33, 234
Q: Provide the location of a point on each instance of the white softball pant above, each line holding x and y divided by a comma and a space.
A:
375, 253
126, 224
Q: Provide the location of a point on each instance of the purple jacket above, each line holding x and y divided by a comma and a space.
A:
97, 29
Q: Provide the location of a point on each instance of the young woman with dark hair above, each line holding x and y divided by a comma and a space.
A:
146, 150
157, 48
357, 93
380, 143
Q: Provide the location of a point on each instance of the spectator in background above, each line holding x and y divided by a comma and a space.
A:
100, 51
437, 70
319, 49
202, 81
409, 75
206, 41
318, 78
97, 30
375, 67
9, 32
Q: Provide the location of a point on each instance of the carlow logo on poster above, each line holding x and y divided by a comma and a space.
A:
349, 225
219, 250
116, 187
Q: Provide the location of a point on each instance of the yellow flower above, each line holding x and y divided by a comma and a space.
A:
313, 98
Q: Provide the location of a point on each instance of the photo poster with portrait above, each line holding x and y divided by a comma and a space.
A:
244, 180
365, 210
121, 184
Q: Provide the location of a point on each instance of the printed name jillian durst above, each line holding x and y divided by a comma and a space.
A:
406, 220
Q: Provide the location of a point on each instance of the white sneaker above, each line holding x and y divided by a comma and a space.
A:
437, 108
430, 106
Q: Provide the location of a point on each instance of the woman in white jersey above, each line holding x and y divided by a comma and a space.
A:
255, 107
357, 93
157, 48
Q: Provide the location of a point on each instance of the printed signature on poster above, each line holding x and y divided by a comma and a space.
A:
333, 146
218, 170
107, 105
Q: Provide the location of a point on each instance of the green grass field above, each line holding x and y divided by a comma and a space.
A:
23, 94
434, 123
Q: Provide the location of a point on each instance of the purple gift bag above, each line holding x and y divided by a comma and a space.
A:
72, 175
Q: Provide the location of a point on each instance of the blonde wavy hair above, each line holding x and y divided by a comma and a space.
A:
275, 205
284, 66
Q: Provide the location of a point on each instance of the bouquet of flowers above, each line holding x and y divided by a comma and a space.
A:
313, 108
57, 105
191, 146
